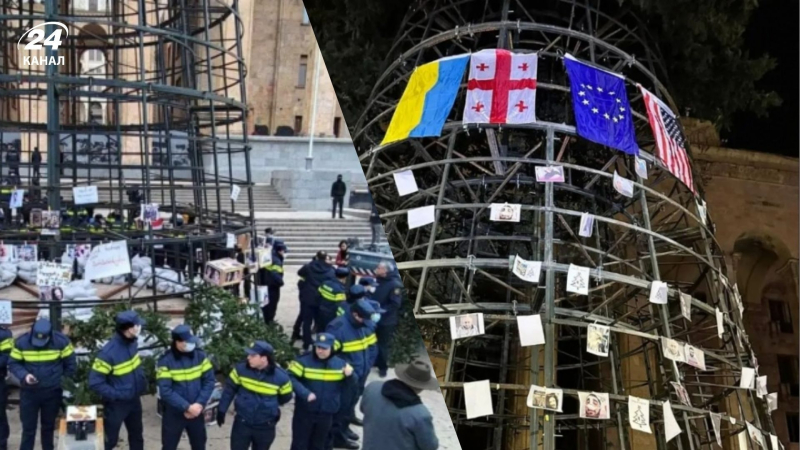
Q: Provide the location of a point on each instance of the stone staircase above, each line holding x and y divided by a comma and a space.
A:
305, 237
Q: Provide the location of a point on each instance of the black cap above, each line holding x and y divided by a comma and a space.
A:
342, 272
40, 333
260, 348
184, 333
129, 318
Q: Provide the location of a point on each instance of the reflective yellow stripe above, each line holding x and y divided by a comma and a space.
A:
101, 366
127, 367
324, 374
68, 350
359, 344
259, 387
302, 278
36, 355
339, 311
275, 268
296, 368
189, 374
327, 293
7, 344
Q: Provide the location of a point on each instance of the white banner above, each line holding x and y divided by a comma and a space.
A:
53, 274
108, 260
84, 195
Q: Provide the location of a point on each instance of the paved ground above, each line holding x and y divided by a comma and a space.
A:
219, 437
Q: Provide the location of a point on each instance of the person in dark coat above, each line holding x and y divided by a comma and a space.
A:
185, 378
36, 161
274, 279
375, 225
332, 294
312, 275
40, 360
321, 381
117, 376
6, 345
394, 416
389, 294
338, 191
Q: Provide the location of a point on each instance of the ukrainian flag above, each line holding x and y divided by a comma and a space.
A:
427, 100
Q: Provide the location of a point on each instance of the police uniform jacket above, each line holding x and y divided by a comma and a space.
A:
389, 295
312, 275
117, 373
274, 271
325, 378
259, 393
49, 364
184, 378
331, 296
6, 345
356, 343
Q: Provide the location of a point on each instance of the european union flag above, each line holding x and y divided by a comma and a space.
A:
602, 111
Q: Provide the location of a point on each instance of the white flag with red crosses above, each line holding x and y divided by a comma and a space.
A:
501, 87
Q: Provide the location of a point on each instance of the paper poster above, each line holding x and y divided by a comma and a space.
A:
405, 182
504, 212
587, 225
598, 339
466, 325
682, 393
230, 240
531, 331
84, 195
419, 217
774, 442
578, 279
639, 414
527, 270
550, 174
761, 386
36, 218
545, 398
671, 428
17, 196
108, 260
743, 440
748, 378
149, 212
686, 306
478, 399
6, 314
641, 167
673, 349
720, 323
716, 422
51, 222
623, 186
695, 357
28, 253
53, 274
594, 405
756, 436
659, 292
772, 401
235, 190
6, 252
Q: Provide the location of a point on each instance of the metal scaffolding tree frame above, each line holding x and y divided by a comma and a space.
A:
462, 262
178, 67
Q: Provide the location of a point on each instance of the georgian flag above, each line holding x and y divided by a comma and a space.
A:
501, 87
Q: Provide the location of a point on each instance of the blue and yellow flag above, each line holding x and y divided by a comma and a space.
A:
427, 100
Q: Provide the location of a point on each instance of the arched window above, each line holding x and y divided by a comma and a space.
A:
93, 64
96, 113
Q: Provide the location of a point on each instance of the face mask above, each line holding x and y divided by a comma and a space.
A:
376, 317
371, 289
189, 347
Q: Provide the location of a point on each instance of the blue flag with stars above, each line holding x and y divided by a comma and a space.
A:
602, 110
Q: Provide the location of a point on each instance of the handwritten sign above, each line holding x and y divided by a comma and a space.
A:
53, 274
231, 240
108, 260
84, 195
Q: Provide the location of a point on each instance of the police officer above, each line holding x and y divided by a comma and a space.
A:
331, 296
118, 378
355, 292
40, 360
6, 344
320, 381
185, 380
355, 340
274, 278
312, 275
260, 387
389, 295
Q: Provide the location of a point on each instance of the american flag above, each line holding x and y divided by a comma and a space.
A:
670, 142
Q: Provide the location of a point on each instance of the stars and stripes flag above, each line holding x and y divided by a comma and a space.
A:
501, 87
670, 142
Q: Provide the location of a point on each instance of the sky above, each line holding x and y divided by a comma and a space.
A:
773, 30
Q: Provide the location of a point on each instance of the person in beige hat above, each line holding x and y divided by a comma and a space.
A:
394, 416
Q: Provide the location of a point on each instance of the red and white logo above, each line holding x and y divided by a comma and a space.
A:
501, 88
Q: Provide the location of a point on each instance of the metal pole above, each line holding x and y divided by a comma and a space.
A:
53, 150
313, 126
